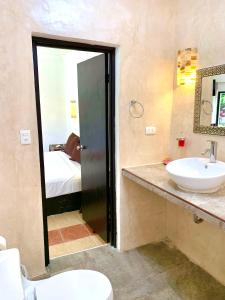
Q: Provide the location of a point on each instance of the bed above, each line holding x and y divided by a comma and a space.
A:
62, 182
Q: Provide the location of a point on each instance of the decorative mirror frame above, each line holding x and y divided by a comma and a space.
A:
197, 128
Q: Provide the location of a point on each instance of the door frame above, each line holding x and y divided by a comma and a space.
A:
110, 134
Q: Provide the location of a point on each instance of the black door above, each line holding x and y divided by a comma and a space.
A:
92, 91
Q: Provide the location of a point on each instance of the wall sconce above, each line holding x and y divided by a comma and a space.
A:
186, 66
73, 109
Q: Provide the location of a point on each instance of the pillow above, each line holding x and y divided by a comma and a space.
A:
72, 142
75, 156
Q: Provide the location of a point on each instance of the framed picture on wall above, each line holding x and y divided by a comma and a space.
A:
221, 109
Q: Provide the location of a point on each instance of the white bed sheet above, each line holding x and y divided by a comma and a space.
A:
62, 175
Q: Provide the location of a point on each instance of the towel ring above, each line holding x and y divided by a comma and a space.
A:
132, 105
203, 102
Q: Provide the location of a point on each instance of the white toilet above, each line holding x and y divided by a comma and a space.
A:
71, 285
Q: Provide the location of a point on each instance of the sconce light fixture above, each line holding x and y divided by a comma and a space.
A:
186, 66
73, 109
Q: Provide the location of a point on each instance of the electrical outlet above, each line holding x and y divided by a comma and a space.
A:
150, 130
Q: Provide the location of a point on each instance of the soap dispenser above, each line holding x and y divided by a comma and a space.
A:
181, 140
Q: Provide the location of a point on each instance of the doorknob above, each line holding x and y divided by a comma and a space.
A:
81, 148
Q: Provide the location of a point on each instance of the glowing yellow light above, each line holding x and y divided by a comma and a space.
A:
186, 66
73, 109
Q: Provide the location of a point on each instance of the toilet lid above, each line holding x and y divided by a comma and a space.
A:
75, 285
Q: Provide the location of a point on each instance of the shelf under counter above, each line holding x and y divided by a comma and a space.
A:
209, 207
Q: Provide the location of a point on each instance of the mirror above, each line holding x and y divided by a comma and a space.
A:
209, 111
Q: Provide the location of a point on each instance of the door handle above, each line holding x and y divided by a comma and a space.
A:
81, 148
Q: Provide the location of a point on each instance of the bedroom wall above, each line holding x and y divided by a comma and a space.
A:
143, 32
58, 86
71, 92
71, 60
51, 68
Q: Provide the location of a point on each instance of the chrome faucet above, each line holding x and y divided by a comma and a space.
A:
212, 151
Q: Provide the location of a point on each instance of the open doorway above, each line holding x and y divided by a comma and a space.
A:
74, 86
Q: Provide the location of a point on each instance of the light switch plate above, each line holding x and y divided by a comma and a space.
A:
25, 137
150, 130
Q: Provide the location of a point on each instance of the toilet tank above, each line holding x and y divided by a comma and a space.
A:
11, 287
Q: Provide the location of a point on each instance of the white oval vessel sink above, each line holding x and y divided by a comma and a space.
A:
195, 174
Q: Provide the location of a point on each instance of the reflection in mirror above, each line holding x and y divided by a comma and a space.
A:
209, 110
213, 101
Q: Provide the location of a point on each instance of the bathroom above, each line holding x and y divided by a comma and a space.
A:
147, 36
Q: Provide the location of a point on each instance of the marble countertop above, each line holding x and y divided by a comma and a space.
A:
209, 207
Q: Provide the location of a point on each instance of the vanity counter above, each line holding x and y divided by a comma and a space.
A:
209, 207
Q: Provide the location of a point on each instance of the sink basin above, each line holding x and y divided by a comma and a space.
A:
195, 174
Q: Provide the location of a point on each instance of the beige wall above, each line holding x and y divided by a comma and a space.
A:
147, 76
144, 72
144, 32
144, 216
203, 243
199, 24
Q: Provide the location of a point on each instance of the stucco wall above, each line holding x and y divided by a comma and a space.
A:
198, 24
143, 32
204, 29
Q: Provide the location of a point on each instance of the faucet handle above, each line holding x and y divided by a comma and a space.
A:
204, 152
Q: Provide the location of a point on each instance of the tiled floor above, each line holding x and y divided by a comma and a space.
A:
151, 272
68, 233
